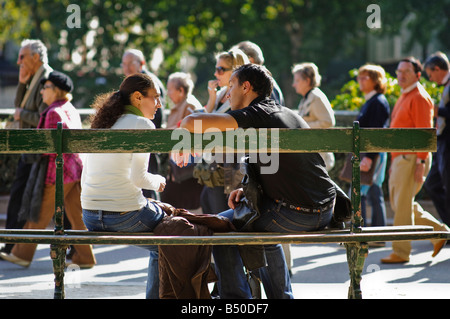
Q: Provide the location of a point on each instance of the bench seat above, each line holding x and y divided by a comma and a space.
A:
367, 234
338, 140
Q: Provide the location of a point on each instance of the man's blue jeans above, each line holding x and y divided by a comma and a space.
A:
143, 220
275, 276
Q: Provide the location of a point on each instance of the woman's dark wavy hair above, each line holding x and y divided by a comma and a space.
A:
110, 106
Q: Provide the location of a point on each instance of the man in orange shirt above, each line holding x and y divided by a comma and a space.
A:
408, 171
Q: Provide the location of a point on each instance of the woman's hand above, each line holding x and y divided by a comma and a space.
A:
212, 87
161, 187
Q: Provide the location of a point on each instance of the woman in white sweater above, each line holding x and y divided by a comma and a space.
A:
112, 184
314, 107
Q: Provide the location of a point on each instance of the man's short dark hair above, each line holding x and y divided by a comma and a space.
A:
417, 66
258, 76
437, 60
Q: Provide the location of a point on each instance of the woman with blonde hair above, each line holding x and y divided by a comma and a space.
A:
214, 196
226, 62
374, 113
315, 108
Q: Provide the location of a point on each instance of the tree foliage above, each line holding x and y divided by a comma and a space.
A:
184, 35
351, 98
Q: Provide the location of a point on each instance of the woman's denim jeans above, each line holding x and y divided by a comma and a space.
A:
143, 220
275, 276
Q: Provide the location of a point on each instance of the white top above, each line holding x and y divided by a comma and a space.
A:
114, 181
225, 107
316, 110
369, 95
410, 88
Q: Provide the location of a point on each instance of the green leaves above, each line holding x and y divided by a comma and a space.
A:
352, 99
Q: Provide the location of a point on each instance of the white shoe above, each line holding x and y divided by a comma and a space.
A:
81, 266
14, 259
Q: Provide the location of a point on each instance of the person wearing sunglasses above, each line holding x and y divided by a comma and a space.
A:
214, 196
226, 62
33, 66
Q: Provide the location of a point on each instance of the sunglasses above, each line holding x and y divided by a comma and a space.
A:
221, 70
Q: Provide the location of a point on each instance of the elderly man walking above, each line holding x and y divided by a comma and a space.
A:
33, 63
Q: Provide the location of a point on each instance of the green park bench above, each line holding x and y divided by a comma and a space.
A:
339, 140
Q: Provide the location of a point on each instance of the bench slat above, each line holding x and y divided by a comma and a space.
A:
161, 141
326, 231
248, 239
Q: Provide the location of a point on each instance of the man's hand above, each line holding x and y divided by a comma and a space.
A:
17, 114
235, 197
419, 173
182, 159
366, 164
24, 74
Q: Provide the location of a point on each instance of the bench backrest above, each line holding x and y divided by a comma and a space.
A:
339, 140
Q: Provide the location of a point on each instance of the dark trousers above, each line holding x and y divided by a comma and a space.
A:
213, 200
375, 199
437, 184
15, 199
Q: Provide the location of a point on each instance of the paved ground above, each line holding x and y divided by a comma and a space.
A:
319, 272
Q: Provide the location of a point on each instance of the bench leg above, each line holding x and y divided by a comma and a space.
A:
58, 255
356, 255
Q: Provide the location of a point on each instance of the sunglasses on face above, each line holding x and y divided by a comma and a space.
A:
221, 70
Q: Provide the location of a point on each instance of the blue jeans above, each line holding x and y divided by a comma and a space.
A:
142, 220
275, 276
375, 199
373, 194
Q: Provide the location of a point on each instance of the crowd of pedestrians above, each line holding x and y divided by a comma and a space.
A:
126, 192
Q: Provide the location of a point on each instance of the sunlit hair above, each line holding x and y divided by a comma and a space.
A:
111, 106
252, 50
182, 80
376, 74
417, 66
36, 47
437, 59
138, 56
61, 94
309, 71
233, 58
